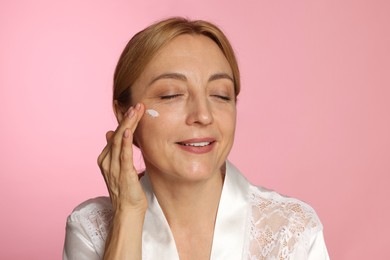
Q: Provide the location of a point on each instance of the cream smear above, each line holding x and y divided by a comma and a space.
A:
152, 112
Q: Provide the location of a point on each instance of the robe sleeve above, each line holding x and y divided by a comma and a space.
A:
317, 250
78, 245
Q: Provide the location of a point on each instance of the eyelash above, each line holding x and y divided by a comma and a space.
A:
224, 98
167, 97
170, 96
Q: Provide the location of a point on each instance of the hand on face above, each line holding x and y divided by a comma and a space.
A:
116, 164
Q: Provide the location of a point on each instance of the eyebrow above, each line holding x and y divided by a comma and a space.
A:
221, 76
169, 75
181, 77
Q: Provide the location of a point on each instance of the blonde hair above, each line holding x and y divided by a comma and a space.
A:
141, 49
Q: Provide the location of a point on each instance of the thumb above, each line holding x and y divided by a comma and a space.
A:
109, 135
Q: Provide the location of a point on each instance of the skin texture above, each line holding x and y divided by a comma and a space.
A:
189, 82
198, 111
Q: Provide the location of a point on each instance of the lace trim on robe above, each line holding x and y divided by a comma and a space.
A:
96, 219
278, 225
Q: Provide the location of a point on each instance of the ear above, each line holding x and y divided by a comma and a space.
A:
119, 114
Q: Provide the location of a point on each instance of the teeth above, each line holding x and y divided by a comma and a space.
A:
198, 144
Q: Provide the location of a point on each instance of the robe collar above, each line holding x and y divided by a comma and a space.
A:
230, 225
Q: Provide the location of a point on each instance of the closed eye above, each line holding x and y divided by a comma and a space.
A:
224, 98
170, 96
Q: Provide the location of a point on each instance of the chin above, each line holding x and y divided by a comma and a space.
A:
200, 171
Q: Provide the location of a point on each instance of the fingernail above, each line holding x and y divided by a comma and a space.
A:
126, 133
131, 113
138, 106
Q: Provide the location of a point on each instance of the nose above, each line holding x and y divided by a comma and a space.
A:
199, 111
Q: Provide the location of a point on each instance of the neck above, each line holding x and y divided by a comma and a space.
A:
188, 203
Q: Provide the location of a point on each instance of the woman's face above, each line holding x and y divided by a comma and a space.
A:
190, 84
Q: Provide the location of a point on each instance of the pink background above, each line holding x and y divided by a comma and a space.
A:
313, 122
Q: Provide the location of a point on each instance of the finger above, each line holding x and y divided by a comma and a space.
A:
128, 173
130, 121
105, 163
126, 157
106, 149
110, 159
109, 135
111, 172
140, 108
116, 144
104, 159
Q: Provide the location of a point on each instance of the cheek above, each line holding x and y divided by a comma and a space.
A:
145, 131
227, 119
154, 129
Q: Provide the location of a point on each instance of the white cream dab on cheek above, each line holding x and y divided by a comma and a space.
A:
152, 112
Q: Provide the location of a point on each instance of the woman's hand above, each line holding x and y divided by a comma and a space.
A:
127, 196
116, 165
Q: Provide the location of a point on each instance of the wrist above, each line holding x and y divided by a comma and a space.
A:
125, 213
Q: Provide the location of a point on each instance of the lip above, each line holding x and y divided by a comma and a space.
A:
197, 149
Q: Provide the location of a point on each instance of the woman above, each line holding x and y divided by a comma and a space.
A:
175, 90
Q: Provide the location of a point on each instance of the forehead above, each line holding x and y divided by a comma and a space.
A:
189, 53
189, 42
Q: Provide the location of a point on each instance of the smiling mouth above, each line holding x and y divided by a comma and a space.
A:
198, 144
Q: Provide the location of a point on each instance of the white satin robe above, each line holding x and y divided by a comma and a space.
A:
252, 223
